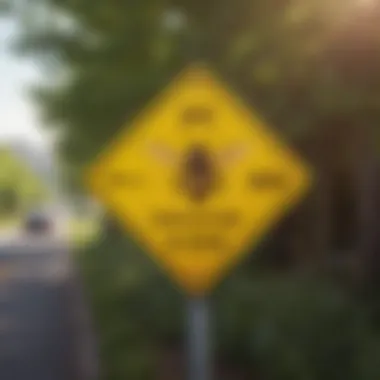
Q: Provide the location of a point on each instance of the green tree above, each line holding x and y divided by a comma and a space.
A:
20, 186
8, 202
287, 58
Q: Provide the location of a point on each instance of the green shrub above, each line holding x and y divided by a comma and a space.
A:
282, 328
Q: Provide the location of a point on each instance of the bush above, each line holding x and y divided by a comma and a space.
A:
296, 329
135, 307
272, 328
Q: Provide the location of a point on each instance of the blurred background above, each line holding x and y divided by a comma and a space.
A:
78, 298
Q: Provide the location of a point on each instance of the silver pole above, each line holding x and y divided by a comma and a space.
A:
198, 330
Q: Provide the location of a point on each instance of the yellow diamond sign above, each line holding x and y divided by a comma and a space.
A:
198, 179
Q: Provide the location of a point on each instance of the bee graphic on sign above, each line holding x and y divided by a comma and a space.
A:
201, 170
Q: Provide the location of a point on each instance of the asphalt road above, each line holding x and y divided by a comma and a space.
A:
43, 334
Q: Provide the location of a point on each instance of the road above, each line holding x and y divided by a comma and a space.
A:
41, 336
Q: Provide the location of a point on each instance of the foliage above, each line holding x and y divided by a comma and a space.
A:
296, 61
20, 188
296, 328
134, 307
8, 202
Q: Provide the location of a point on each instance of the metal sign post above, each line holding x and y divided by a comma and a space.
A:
198, 339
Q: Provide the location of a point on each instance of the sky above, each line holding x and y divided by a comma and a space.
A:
18, 115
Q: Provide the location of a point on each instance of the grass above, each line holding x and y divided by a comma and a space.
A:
83, 230
6, 223
80, 230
